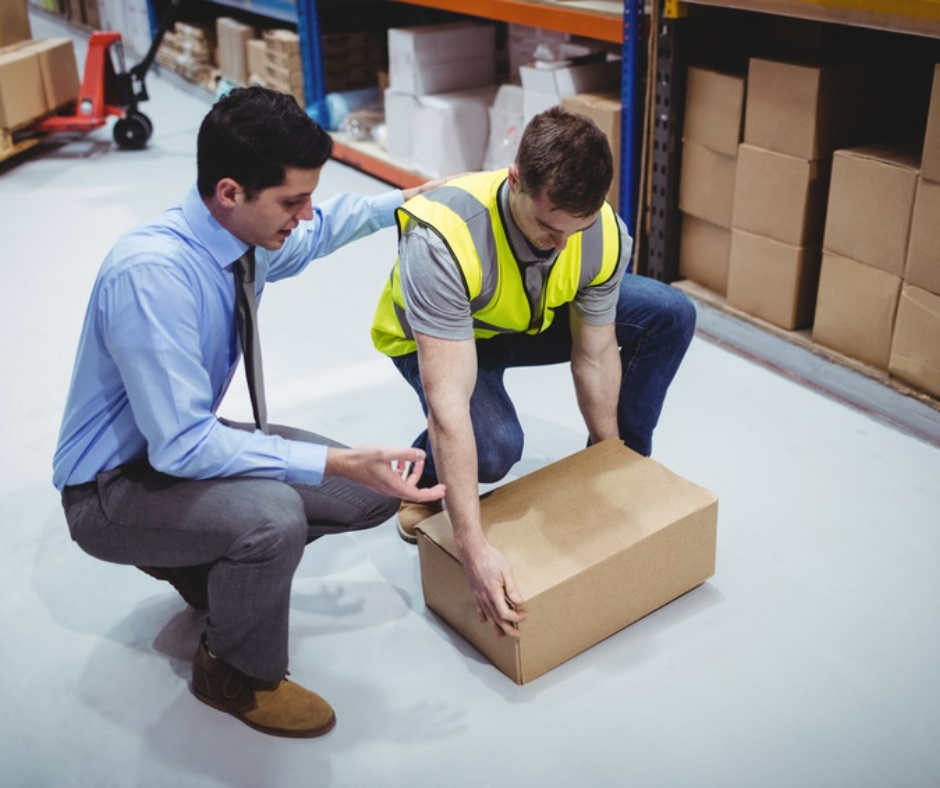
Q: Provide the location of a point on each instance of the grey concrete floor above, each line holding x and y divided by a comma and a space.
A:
810, 659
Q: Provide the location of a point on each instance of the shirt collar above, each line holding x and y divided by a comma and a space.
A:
522, 250
224, 247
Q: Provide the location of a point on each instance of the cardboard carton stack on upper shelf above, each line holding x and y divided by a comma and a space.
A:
283, 69
233, 37
187, 50
915, 347
871, 200
441, 85
714, 116
351, 60
798, 113
14, 22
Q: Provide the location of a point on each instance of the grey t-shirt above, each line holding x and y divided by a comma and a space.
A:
434, 290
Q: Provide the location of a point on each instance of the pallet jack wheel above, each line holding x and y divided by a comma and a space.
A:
133, 131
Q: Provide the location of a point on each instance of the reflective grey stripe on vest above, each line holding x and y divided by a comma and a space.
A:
400, 313
480, 227
592, 252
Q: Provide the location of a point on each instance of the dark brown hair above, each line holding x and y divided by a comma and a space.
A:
566, 157
252, 135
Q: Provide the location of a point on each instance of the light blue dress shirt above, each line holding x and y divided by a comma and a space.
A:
159, 347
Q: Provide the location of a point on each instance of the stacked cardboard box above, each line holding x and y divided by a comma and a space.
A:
352, 60
233, 37
714, 116
441, 86
14, 22
915, 348
257, 56
283, 68
187, 51
547, 84
36, 78
92, 14
868, 224
798, 114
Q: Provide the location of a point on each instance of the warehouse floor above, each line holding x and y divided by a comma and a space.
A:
809, 659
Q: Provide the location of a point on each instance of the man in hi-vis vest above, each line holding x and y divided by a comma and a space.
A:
514, 268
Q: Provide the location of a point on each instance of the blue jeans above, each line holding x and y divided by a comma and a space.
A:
655, 324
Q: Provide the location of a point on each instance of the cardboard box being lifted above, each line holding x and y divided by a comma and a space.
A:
596, 541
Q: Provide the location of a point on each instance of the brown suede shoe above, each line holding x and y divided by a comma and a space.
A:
410, 514
279, 708
192, 582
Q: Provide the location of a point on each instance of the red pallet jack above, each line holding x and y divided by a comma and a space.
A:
110, 90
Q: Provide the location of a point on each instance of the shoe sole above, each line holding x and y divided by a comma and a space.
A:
408, 537
286, 734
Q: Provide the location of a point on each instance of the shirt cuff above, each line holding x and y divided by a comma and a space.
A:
385, 206
306, 462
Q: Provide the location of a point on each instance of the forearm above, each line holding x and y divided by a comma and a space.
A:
597, 385
455, 458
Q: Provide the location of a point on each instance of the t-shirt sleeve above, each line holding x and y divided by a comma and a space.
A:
597, 305
433, 285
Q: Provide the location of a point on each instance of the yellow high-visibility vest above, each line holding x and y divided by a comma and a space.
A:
465, 213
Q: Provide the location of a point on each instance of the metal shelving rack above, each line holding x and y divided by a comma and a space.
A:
282, 10
792, 354
622, 29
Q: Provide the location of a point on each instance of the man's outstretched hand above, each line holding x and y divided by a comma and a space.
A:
393, 472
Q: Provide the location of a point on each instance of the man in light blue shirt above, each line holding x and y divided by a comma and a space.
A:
150, 476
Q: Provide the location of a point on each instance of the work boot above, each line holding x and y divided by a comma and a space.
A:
411, 513
192, 582
279, 708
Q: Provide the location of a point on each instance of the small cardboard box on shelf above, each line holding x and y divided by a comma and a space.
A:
915, 349
706, 184
704, 253
546, 84
14, 22
923, 251
871, 200
780, 196
855, 309
714, 109
441, 58
773, 280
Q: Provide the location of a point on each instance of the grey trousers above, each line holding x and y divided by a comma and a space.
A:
251, 531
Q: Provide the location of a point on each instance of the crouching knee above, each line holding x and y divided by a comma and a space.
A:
274, 526
497, 454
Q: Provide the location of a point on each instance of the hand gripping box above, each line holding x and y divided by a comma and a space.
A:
596, 541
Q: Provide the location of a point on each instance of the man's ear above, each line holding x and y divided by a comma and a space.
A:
228, 192
514, 182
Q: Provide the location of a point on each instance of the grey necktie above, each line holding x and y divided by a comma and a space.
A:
246, 316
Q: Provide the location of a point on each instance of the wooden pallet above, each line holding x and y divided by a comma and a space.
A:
9, 147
